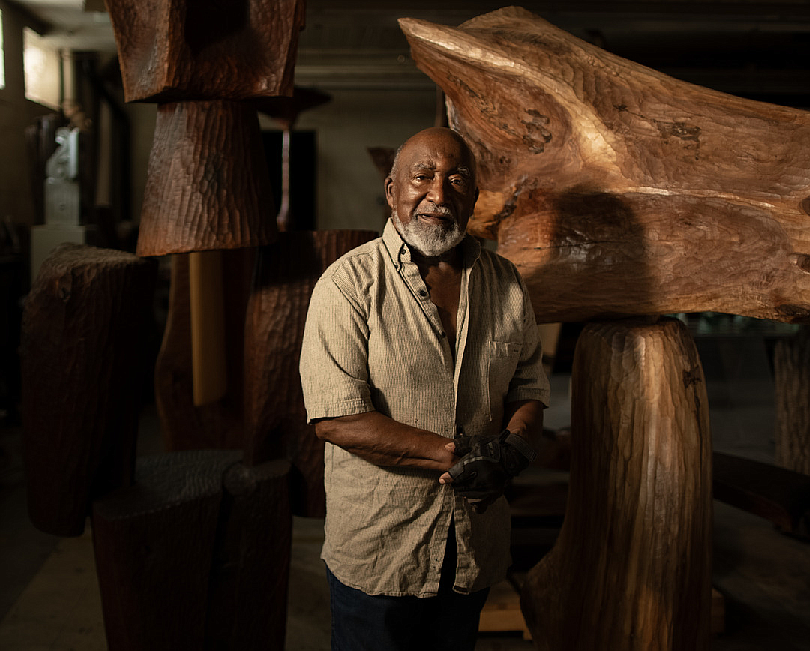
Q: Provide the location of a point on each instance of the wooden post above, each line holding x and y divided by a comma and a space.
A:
631, 568
792, 388
84, 362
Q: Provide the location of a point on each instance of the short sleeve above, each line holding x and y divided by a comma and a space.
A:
334, 354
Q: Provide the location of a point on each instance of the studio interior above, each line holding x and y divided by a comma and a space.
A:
175, 176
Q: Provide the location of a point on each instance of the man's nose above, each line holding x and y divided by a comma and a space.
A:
438, 192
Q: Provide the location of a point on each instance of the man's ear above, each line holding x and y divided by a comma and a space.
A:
389, 191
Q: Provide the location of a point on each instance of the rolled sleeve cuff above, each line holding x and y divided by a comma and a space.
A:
339, 408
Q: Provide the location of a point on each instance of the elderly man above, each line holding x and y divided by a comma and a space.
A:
421, 370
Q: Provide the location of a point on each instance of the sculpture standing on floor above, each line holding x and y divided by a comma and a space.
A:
619, 191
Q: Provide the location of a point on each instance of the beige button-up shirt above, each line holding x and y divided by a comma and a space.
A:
374, 341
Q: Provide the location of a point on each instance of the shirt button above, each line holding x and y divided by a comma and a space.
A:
422, 293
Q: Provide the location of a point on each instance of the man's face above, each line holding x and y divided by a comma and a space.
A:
432, 191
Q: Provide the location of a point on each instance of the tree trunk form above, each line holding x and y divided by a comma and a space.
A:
275, 418
207, 186
195, 555
618, 190
631, 568
84, 362
792, 388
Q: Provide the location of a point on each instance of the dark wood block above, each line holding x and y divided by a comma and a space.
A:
275, 419
154, 546
247, 602
207, 186
84, 361
173, 50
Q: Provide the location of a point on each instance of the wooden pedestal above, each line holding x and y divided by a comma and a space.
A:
195, 555
83, 365
631, 568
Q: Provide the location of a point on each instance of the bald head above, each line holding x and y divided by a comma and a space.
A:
433, 134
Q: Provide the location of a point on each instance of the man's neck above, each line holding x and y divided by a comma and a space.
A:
448, 262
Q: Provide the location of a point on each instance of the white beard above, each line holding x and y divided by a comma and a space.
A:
430, 241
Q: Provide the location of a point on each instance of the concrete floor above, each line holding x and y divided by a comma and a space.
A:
49, 595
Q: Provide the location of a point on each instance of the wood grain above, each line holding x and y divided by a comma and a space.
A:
84, 360
631, 567
616, 189
207, 186
173, 50
275, 419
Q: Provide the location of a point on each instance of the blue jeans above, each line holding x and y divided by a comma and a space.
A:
446, 622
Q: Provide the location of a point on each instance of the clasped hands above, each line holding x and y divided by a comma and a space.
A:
486, 465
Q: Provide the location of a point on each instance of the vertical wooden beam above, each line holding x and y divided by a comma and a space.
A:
631, 568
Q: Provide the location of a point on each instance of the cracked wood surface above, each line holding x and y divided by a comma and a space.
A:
616, 189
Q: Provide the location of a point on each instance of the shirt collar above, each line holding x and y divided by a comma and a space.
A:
401, 254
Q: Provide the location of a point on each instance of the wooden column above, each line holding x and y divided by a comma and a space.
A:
84, 362
792, 388
631, 568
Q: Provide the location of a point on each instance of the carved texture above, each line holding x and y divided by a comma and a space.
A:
207, 185
617, 189
275, 419
83, 364
631, 567
173, 50
195, 555
792, 388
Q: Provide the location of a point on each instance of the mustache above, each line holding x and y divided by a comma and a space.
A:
435, 209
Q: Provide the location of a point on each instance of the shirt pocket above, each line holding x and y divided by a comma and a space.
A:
503, 360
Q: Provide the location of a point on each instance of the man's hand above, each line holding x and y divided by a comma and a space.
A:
487, 464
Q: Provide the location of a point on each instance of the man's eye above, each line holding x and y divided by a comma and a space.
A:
458, 180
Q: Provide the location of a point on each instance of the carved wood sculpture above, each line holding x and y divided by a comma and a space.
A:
275, 418
616, 189
217, 545
620, 191
83, 362
631, 568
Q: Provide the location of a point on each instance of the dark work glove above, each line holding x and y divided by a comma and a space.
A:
487, 464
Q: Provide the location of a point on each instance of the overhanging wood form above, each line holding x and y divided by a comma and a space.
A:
616, 189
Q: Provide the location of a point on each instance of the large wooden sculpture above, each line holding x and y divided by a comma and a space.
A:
216, 538
619, 191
